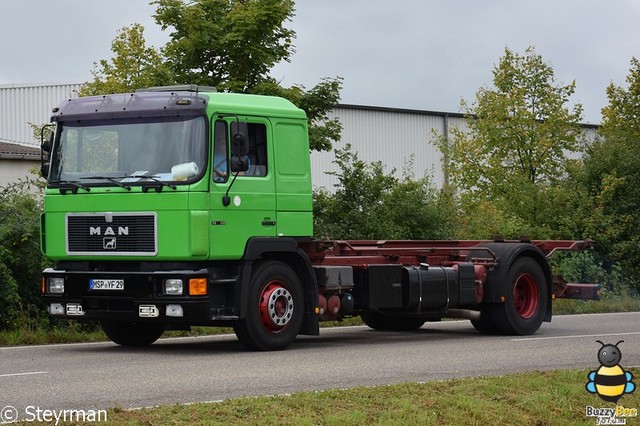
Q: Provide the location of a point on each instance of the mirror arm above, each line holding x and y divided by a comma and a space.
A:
226, 200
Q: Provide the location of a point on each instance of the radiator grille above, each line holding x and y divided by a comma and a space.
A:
112, 234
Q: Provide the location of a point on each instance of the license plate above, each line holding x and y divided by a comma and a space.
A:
106, 284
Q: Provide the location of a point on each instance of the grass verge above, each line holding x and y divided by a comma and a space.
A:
611, 304
541, 398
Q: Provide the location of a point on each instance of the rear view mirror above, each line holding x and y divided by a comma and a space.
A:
46, 144
45, 147
239, 164
239, 139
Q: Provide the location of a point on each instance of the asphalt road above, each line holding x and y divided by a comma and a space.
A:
102, 375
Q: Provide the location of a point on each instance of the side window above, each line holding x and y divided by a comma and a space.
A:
257, 149
220, 157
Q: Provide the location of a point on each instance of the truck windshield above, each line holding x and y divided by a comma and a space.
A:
107, 152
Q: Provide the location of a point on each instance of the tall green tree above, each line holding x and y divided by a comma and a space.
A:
132, 66
515, 148
229, 44
612, 176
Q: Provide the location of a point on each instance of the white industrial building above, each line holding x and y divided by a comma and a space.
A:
396, 137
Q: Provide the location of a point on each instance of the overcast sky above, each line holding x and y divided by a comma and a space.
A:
418, 54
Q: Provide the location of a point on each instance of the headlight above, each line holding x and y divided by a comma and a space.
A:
173, 287
55, 285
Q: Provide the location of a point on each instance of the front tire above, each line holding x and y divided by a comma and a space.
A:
275, 308
132, 333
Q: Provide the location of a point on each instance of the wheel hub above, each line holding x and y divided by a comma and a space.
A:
276, 306
525, 296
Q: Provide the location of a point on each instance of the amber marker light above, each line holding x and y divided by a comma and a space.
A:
42, 285
198, 287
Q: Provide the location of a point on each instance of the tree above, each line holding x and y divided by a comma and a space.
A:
317, 103
134, 65
518, 135
229, 44
612, 176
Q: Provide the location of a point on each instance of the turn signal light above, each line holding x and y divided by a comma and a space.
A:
198, 287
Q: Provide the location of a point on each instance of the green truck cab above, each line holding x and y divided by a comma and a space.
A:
157, 200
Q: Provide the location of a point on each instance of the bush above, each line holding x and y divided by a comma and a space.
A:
371, 204
9, 299
585, 267
21, 261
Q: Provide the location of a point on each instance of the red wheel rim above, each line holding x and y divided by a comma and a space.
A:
275, 306
525, 296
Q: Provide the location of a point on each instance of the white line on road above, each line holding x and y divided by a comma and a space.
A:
576, 336
31, 373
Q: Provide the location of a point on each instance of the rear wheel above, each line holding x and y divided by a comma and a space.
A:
383, 322
132, 333
525, 302
275, 308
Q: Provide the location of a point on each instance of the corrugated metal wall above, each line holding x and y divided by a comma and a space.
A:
23, 104
400, 139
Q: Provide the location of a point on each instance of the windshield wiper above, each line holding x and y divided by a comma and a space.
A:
75, 186
110, 179
153, 178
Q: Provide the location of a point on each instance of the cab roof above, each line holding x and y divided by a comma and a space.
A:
173, 101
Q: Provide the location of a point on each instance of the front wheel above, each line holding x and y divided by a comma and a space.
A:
525, 303
132, 333
275, 308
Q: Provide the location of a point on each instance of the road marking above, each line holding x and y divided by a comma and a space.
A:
576, 336
31, 373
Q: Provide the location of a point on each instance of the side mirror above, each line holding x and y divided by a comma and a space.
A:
239, 164
45, 147
239, 139
48, 143
44, 170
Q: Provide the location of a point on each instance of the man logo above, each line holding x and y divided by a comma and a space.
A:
96, 230
109, 243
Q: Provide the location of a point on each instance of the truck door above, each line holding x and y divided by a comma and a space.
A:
251, 211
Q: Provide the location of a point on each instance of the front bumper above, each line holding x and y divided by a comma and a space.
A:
141, 299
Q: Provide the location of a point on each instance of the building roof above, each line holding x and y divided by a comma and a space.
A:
14, 151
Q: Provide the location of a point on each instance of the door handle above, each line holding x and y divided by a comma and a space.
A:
268, 222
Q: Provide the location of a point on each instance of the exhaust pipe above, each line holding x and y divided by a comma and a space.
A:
463, 313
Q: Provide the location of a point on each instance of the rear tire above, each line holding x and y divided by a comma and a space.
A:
132, 333
275, 308
382, 322
525, 302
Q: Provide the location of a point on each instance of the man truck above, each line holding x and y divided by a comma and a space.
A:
174, 207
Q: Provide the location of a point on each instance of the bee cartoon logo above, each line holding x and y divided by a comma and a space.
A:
610, 381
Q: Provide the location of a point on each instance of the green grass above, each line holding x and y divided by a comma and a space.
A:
541, 398
37, 336
611, 304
